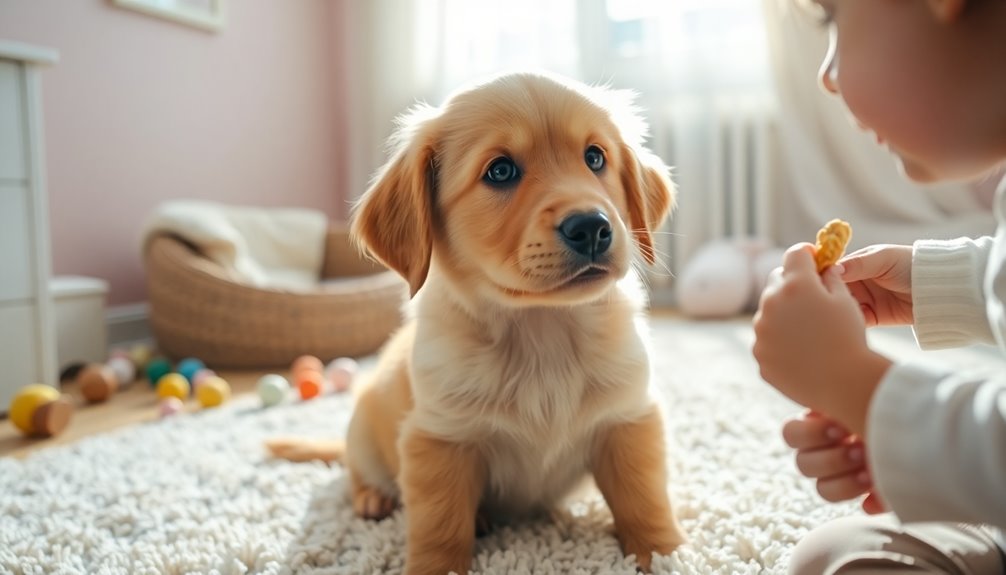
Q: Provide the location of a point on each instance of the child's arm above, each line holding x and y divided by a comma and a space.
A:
938, 445
948, 279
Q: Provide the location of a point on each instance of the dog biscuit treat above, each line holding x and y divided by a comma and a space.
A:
831, 242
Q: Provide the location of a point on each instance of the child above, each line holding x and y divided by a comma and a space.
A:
929, 78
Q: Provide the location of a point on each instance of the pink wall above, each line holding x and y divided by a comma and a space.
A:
141, 110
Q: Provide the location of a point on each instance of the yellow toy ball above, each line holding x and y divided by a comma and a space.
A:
213, 391
40, 410
173, 385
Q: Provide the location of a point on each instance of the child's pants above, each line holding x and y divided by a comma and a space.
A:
881, 544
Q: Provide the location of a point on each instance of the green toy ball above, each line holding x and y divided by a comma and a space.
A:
156, 369
273, 389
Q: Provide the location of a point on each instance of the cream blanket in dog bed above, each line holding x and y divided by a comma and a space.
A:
280, 248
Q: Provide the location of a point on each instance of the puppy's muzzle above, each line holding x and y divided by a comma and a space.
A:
587, 234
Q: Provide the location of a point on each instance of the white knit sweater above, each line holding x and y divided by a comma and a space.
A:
936, 435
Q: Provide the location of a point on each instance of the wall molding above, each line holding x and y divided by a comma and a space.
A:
128, 324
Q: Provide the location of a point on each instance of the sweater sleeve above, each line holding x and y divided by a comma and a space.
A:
947, 297
937, 442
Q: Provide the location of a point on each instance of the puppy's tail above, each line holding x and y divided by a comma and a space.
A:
305, 449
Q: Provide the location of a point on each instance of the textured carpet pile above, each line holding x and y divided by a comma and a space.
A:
197, 494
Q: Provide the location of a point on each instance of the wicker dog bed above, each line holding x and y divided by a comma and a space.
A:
197, 311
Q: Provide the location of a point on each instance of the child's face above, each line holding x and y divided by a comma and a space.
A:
932, 88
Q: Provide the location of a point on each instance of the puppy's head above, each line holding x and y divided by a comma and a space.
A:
528, 190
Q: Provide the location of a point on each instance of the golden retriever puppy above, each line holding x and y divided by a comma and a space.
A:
516, 212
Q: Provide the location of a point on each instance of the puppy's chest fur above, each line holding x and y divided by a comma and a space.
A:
532, 392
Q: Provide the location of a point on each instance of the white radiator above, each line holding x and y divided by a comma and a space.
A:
725, 160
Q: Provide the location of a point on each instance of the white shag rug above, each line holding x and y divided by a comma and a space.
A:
197, 494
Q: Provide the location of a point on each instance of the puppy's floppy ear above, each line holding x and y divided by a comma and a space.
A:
650, 195
394, 218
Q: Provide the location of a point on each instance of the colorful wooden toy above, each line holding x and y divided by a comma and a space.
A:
189, 367
273, 389
156, 369
173, 385
170, 406
310, 384
97, 382
213, 391
40, 411
340, 373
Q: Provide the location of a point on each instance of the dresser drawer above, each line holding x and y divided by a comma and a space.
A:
12, 141
17, 273
19, 365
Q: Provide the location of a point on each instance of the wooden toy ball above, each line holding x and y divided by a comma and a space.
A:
310, 384
39, 410
273, 389
213, 391
201, 375
97, 382
306, 363
141, 354
173, 385
123, 368
340, 373
156, 369
189, 367
169, 406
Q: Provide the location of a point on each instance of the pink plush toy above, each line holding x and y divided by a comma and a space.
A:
726, 277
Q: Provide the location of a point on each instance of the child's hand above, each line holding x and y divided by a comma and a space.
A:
811, 341
835, 458
880, 278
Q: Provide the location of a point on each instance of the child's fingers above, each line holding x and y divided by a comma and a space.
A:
833, 281
832, 461
844, 487
872, 504
863, 264
812, 432
799, 258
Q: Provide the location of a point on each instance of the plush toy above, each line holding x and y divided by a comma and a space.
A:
726, 277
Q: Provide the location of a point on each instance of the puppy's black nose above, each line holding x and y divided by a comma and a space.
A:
588, 234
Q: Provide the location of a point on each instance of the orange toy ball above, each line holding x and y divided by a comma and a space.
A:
306, 363
97, 382
309, 384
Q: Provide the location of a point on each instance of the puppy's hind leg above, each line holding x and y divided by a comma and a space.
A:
301, 449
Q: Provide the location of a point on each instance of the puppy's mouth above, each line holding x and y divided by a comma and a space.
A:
586, 275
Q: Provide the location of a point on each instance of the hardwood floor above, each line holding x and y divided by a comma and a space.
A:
134, 404
137, 403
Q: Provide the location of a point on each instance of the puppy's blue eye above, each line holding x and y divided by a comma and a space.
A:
594, 157
502, 171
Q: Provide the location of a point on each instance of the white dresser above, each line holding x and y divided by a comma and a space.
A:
27, 335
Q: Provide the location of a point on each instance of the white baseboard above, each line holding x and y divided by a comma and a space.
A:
128, 324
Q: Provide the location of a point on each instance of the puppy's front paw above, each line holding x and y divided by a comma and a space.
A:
644, 547
370, 503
